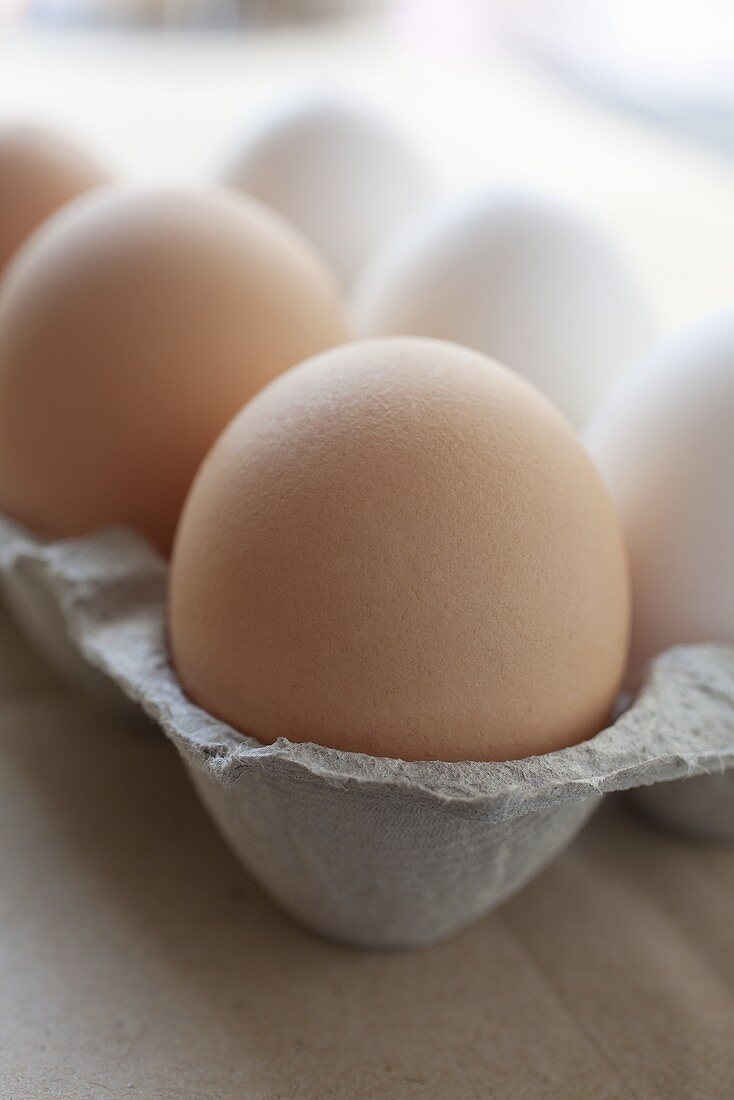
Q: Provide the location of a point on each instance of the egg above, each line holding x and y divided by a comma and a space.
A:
664, 444
39, 172
132, 327
337, 170
400, 548
518, 277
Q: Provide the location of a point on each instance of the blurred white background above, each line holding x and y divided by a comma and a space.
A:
164, 89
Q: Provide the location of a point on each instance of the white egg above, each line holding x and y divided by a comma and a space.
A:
664, 444
520, 278
337, 170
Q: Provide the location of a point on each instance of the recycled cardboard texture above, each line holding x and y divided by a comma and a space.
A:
138, 959
377, 852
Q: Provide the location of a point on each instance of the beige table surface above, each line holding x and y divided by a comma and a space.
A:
136, 957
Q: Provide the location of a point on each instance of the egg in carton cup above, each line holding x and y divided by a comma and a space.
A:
315, 599
372, 851
662, 442
186, 250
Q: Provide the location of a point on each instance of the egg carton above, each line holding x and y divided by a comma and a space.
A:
375, 852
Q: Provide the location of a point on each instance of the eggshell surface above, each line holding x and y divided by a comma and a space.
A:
40, 171
132, 328
664, 444
337, 170
520, 278
400, 548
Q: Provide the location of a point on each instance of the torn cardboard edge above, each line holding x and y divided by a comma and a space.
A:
110, 591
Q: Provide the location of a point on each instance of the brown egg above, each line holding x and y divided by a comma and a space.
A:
400, 548
39, 172
132, 328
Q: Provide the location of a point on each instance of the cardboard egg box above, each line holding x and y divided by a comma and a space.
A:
372, 851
